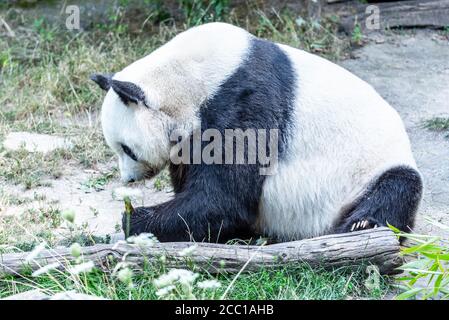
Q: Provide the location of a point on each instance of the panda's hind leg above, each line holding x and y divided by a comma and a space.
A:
392, 199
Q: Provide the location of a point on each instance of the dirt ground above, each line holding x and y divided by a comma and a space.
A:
411, 71
100, 209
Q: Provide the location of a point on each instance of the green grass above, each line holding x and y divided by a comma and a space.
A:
45, 88
30, 169
197, 12
292, 282
437, 124
98, 182
38, 223
312, 36
23, 231
426, 273
10, 199
357, 35
446, 31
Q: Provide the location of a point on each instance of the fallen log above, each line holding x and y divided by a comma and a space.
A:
37, 294
378, 247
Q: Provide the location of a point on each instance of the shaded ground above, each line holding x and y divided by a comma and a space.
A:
411, 71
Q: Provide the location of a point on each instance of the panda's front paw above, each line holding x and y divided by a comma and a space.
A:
139, 221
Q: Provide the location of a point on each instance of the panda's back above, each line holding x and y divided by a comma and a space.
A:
337, 133
343, 136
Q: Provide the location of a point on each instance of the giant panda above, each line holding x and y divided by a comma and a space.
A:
344, 159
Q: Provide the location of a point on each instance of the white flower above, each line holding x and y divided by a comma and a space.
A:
46, 269
182, 276
185, 277
36, 252
372, 282
75, 250
209, 284
164, 280
143, 240
125, 275
300, 21
122, 192
188, 251
68, 215
120, 265
165, 291
82, 268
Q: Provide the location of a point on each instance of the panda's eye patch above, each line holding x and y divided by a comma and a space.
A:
128, 152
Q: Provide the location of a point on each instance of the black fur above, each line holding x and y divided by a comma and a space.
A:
129, 152
103, 81
128, 91
393, 198
220, 202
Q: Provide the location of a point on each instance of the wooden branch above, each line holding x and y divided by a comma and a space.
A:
8, 28
37, 294
379, 247
335, 1
415, 13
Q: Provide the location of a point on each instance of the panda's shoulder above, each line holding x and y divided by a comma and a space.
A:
215, 29
213, 33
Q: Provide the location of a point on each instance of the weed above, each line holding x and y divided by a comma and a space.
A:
427, 274
357, 35
23, 230
197, 12
312, 36
446, 30
30, 169
9, 199
437, 124
162, 180
97, 183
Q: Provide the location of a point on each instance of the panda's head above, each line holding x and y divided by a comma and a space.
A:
134, 128
158, 97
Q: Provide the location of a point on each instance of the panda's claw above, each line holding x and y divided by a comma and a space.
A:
363, 224
359, 225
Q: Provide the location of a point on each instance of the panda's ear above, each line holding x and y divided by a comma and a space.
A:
103, 80
128, 91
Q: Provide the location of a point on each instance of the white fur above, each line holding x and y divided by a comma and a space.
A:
345, 136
